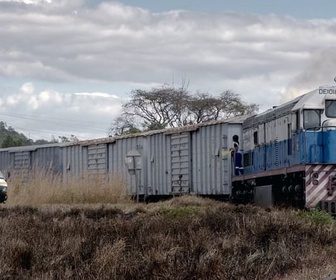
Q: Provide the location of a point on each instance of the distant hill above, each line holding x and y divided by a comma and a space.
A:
11, 138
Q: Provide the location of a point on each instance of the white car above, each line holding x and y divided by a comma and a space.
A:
3, 188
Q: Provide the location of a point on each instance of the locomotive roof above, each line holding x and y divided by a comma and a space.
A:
311, 100
314, 99
272, 113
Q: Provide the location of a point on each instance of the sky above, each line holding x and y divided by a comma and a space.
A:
66, 67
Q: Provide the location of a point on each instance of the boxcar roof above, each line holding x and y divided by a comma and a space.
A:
33, 147
234, 120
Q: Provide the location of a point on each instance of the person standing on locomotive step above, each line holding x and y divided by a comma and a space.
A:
237, 156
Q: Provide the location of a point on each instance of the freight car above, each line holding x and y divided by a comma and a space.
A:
289, 154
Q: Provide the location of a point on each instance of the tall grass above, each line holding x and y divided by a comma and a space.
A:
44, 187
185, 238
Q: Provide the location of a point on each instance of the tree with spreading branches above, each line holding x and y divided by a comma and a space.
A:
166, 107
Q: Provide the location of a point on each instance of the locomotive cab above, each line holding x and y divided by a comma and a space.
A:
316, 128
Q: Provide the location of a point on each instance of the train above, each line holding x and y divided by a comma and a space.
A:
284, 156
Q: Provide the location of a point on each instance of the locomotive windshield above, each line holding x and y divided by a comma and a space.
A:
311, 119
330, 106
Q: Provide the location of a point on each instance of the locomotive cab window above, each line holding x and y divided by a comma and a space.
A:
330, 108
311, 119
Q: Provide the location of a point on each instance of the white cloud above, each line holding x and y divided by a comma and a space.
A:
12, 100
49, 112
27, 88
96, 94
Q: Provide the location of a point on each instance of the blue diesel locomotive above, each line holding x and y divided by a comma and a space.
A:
289, 154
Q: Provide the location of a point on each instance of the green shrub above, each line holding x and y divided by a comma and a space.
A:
317, 216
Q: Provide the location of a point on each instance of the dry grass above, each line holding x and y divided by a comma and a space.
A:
43, 187
185, 238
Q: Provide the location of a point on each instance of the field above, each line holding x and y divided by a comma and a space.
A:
183, 238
